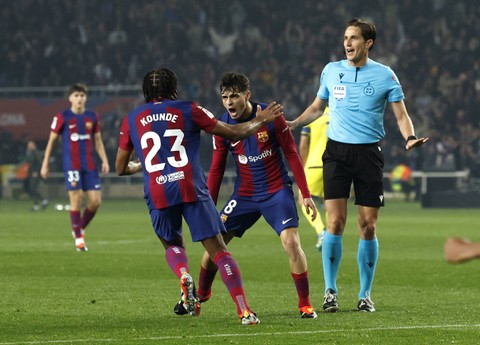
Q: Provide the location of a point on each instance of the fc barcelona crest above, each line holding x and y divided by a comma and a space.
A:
262, 136
88, 125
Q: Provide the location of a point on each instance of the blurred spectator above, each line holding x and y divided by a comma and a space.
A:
32, 182
401, 181
279, 43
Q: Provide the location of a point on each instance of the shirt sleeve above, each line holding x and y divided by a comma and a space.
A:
124, 141
287, 143
395, 93
217, 168
203, 118
97, 123
57, 123
322, 89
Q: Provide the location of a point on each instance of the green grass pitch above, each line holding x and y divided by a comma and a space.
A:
122, 292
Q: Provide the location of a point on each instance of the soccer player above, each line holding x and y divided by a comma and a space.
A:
262, 187
313, 141
458, 250
357, 90
34, 161
79, 130
165, 134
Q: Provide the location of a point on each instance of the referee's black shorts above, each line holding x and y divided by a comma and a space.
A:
361, 164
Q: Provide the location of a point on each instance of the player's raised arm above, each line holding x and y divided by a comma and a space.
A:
245, 129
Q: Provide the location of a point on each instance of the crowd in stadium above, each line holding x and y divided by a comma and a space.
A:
281, 45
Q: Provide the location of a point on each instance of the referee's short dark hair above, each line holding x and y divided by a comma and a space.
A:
368, 29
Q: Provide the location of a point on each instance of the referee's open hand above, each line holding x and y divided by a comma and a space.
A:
412, 143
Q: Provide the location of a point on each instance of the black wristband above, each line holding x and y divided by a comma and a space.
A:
412, 137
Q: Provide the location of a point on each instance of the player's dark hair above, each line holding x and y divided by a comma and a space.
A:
368, 29
78, 87
233, 81
161, 83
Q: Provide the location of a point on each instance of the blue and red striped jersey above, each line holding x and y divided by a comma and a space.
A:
166, 137
258, 160
77, 132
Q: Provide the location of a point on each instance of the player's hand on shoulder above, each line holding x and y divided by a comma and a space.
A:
270, 113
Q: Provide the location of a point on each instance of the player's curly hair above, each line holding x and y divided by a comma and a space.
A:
368, 29
161, 83
233, 81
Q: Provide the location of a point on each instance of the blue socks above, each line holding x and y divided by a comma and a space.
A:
331, 256
367, 261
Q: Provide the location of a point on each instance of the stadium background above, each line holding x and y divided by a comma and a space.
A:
281, 45
122, 292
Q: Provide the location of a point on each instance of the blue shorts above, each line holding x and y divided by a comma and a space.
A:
84, 180
279, 210
201, 217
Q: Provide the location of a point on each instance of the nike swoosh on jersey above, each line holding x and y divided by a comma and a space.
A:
72, 126
235, 143
285, 221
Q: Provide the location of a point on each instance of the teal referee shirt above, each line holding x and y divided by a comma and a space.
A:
357, 97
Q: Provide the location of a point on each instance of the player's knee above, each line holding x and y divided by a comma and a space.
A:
94, 203
93, 207
291, 244
336, 224
367, 228
367, 222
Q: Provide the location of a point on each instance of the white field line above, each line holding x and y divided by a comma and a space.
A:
93, 243
234, 335
119, 242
